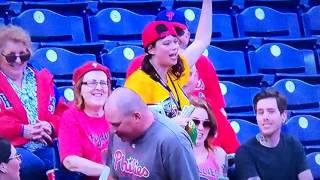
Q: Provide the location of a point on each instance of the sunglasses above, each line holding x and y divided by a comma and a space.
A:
180, 32
205, 124
12, 58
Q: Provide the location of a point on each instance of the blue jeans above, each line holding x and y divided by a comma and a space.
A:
35, 164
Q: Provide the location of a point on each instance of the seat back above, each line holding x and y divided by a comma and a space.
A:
47, 26
227, 62
117, 24
60, 62
313, 160
274, 58
305, 128
245, 130
238, 98
118, 59
311, 24
274, 23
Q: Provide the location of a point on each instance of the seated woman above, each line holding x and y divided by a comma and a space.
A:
84, 132
9, 161
210, 160
29, 111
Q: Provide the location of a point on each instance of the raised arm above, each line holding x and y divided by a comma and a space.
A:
203, 34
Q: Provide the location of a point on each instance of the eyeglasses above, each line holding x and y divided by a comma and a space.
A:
17, 156
205, 124
95, 83
11, 58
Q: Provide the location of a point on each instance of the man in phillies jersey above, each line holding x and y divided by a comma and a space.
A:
145, 145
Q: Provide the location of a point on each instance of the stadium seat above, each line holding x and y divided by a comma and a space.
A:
61, 173
311, 24
222, 26
118, 24
245, 130
224, 6
305, 128
118, 59
303, 98
238, 98
231, 66
274, 23
66, 92
285, 5
47, 26
137, 6
60, 62
284, 62
313, 160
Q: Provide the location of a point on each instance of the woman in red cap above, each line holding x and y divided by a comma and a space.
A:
84, 132
165, 70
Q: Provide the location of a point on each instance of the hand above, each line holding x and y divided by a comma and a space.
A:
181, 121
32, 132
46, 127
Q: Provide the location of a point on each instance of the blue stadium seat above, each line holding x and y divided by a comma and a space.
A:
303, 98
274, 23
231, 66
47, 26
118, 59
60, 62
284, 61
61, 173
222, 26
285, 5
238, 100
313, 160
137, 6
245, 130
224, 6
64, 7
311, 23
305, 128
2, 22
118, 24
66, 92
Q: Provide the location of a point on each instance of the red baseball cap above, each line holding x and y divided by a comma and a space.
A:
152, 32
87, 67
176, 17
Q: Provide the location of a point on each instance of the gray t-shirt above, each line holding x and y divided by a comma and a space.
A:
163, 152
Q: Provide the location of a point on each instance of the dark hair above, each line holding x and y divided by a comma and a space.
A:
147, 67
202, 103
5, 149
271, 93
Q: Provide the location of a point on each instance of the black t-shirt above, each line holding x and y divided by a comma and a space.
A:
283, 162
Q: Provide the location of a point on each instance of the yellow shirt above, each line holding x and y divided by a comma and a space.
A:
152, 92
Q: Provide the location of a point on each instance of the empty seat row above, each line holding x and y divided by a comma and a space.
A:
116, 24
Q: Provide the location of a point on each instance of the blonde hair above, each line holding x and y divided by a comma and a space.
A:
16, 34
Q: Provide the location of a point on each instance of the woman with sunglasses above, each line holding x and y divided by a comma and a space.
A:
9, 161
165, 70
84, 132
29, 111
210, 159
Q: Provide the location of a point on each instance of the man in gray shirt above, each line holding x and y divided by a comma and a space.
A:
146, 145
